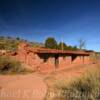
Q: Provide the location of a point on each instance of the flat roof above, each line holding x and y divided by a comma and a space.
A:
52, 51
55, 51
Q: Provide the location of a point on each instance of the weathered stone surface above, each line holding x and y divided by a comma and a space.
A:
48, 61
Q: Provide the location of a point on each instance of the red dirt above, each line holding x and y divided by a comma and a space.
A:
22, 87
33, 86
73, 72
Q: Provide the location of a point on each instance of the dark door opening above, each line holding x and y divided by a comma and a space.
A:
73, 58
56, 60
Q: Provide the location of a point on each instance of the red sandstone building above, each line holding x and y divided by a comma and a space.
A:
49, 60
42, 59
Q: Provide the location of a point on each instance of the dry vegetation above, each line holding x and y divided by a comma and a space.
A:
10, 65
86, 87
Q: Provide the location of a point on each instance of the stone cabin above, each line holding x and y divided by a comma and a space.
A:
49, 60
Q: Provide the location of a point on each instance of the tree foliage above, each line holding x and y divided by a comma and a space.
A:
51, 43
9, 43
62, 46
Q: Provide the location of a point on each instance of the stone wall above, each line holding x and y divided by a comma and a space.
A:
48, 66
87, 60
64, 61
39, 63
78, 60
47, 62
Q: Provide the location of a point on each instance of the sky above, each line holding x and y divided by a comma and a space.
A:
35, 20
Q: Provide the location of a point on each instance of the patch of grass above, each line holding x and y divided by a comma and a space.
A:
10, 65
83, 88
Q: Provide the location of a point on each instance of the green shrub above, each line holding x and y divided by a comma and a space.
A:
84, 88
51, 43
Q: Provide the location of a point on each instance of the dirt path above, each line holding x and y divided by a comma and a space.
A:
22, 87
34, 86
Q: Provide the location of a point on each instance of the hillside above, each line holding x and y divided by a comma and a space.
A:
9, 43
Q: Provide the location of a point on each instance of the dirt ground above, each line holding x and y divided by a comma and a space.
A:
22, 87
35, 86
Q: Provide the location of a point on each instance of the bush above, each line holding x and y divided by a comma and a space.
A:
9, 65
51, 43
84, 88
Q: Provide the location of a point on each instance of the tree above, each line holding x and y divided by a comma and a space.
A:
51, 43
62, 46
82, 44
69, 47
17, 38
74, 48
